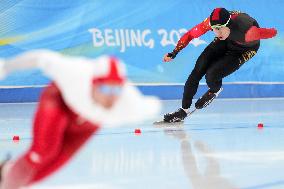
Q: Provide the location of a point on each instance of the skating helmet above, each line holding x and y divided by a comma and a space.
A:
115, 73
220, 17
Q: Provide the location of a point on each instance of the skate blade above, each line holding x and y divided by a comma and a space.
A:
180, 123
163, 123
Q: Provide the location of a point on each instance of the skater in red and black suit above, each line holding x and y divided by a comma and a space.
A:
85, 94
237, 39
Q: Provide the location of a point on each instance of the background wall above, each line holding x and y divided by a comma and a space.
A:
140, 33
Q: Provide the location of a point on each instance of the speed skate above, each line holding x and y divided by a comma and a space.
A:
163, 122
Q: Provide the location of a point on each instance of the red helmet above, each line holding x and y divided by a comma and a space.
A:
115, 74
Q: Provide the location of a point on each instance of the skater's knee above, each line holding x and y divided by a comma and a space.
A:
210, 77
41, 159
51, 98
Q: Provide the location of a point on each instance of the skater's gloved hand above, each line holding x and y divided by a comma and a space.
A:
169, 57
3, 72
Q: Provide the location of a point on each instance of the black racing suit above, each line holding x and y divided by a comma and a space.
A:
221, 57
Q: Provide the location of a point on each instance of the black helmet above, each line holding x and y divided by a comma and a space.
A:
220, 17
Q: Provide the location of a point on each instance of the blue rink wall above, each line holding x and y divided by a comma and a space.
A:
164, 92
139, 33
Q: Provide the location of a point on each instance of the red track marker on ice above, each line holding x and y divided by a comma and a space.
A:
137, 132
16, 138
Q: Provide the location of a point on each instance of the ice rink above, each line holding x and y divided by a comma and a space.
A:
218, 147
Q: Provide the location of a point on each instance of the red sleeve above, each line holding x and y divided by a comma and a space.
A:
195, 32
255, 33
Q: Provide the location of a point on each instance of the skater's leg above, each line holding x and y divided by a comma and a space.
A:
212, 52
75, 136
49, 126
223, 67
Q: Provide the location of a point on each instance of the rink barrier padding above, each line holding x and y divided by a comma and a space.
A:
164, 92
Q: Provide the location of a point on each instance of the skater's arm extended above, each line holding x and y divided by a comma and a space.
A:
255, 33
29, 60
195, 32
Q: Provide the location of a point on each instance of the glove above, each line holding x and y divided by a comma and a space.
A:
172, 55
